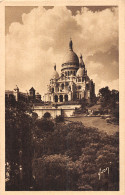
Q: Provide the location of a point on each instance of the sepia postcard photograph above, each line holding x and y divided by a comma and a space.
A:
63, 125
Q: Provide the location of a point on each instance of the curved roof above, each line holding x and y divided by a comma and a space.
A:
71, 57
55, 75
81, 63
80, 72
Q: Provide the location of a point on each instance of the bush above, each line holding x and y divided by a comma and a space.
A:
45, 125
70, 157
59, 119
34, 115
47, 115
55, 172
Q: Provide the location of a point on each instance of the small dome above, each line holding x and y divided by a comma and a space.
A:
81, 63
80, 72
55, 75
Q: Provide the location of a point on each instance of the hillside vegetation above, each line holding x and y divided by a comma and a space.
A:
45, 154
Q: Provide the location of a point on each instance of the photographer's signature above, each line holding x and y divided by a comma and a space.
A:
103, 171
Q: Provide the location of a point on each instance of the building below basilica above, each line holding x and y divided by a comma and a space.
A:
27, 97
73, 83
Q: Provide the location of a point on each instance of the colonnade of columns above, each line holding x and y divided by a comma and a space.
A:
69, 73
62, 87
62, 98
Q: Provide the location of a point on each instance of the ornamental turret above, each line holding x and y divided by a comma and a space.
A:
71, 45
55, 74
81, 70
81, 63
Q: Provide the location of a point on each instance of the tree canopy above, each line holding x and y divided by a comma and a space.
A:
45, 154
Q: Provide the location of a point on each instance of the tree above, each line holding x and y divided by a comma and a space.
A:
55, 172
104, 94
18, 142
47, 115
34, 115
110, 103
45, 125
104, 155
59, 119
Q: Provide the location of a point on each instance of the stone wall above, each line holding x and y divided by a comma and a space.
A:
65, 110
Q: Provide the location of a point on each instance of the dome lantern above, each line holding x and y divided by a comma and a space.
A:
80, 72
55, 67
55, 74
71, 60
81, 63
71, 45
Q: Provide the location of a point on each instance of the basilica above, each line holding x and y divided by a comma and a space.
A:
73, 83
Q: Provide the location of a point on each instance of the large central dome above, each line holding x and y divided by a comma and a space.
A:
70, 59
71, 56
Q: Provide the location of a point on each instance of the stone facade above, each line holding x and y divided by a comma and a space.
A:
31, 96
64, 110
73, 83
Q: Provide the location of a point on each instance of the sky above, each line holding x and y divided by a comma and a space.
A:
38, 37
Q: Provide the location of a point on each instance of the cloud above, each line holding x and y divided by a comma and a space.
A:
112, 85
33, 46
99, 29
94, 67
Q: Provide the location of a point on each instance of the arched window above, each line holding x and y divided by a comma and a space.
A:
79, 87
56, 98
52, 90
61, 98
79, 79
66, 98
87, 86
62, 85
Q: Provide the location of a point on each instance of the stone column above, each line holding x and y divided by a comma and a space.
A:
72, 87
63, 98
52, 98
58, 99
59, 87
65, 87
69, 96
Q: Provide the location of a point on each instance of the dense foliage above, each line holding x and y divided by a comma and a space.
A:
45, 154
18, 143
110, 102
47, 115
59, 119
73, 153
